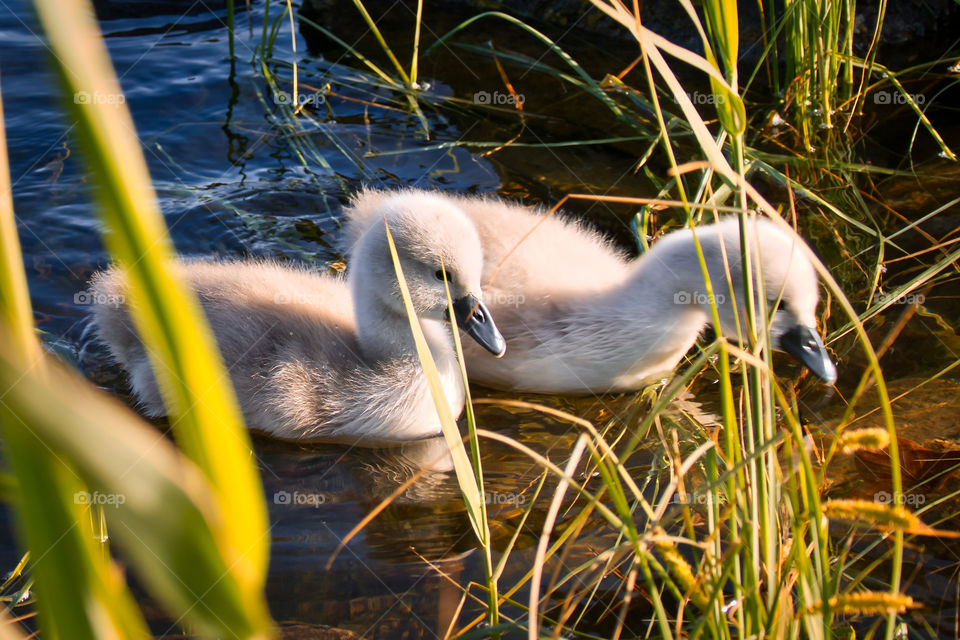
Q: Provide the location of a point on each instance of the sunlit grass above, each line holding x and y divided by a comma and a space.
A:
763, 561
755, 555
468, 469
194, 528
763, 487
734, 541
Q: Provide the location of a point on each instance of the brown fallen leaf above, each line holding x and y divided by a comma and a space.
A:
921, 468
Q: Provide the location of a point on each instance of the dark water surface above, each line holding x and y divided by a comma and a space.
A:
232, 181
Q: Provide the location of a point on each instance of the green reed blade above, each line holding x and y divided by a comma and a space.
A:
159, 506
196, 389
80, 593
461, 462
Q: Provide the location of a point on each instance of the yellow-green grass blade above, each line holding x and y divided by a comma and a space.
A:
159, 506
468, 407
723, 42
81, 594
493, 597
375, 30
195, 386
415, 56
461, 462
722, 19
14, 297
380, 73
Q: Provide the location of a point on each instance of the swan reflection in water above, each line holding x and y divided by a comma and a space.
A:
317, 493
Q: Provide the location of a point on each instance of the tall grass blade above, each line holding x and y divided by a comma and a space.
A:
461, 462
533, 632
415, 56
375, 30
231, 22
723, 43
14, 297
195, 387
469, 479
159, 506
81, 594
492, 574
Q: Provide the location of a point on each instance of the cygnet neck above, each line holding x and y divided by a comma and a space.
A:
644, 324
385, 334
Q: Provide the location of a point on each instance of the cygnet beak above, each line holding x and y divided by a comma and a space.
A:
474, 318
804, 344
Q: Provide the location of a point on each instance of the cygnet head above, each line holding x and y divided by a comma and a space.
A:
784, 275
437, 247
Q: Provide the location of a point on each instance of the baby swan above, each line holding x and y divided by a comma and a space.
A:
314, 357
581, 318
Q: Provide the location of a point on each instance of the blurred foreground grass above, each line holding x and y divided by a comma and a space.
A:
193, 524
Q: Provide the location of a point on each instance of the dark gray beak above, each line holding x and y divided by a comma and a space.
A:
804, 344
474, 318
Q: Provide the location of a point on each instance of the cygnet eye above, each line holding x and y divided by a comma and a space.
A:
438, 274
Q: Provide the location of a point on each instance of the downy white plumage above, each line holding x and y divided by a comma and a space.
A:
579, 317
316, 357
